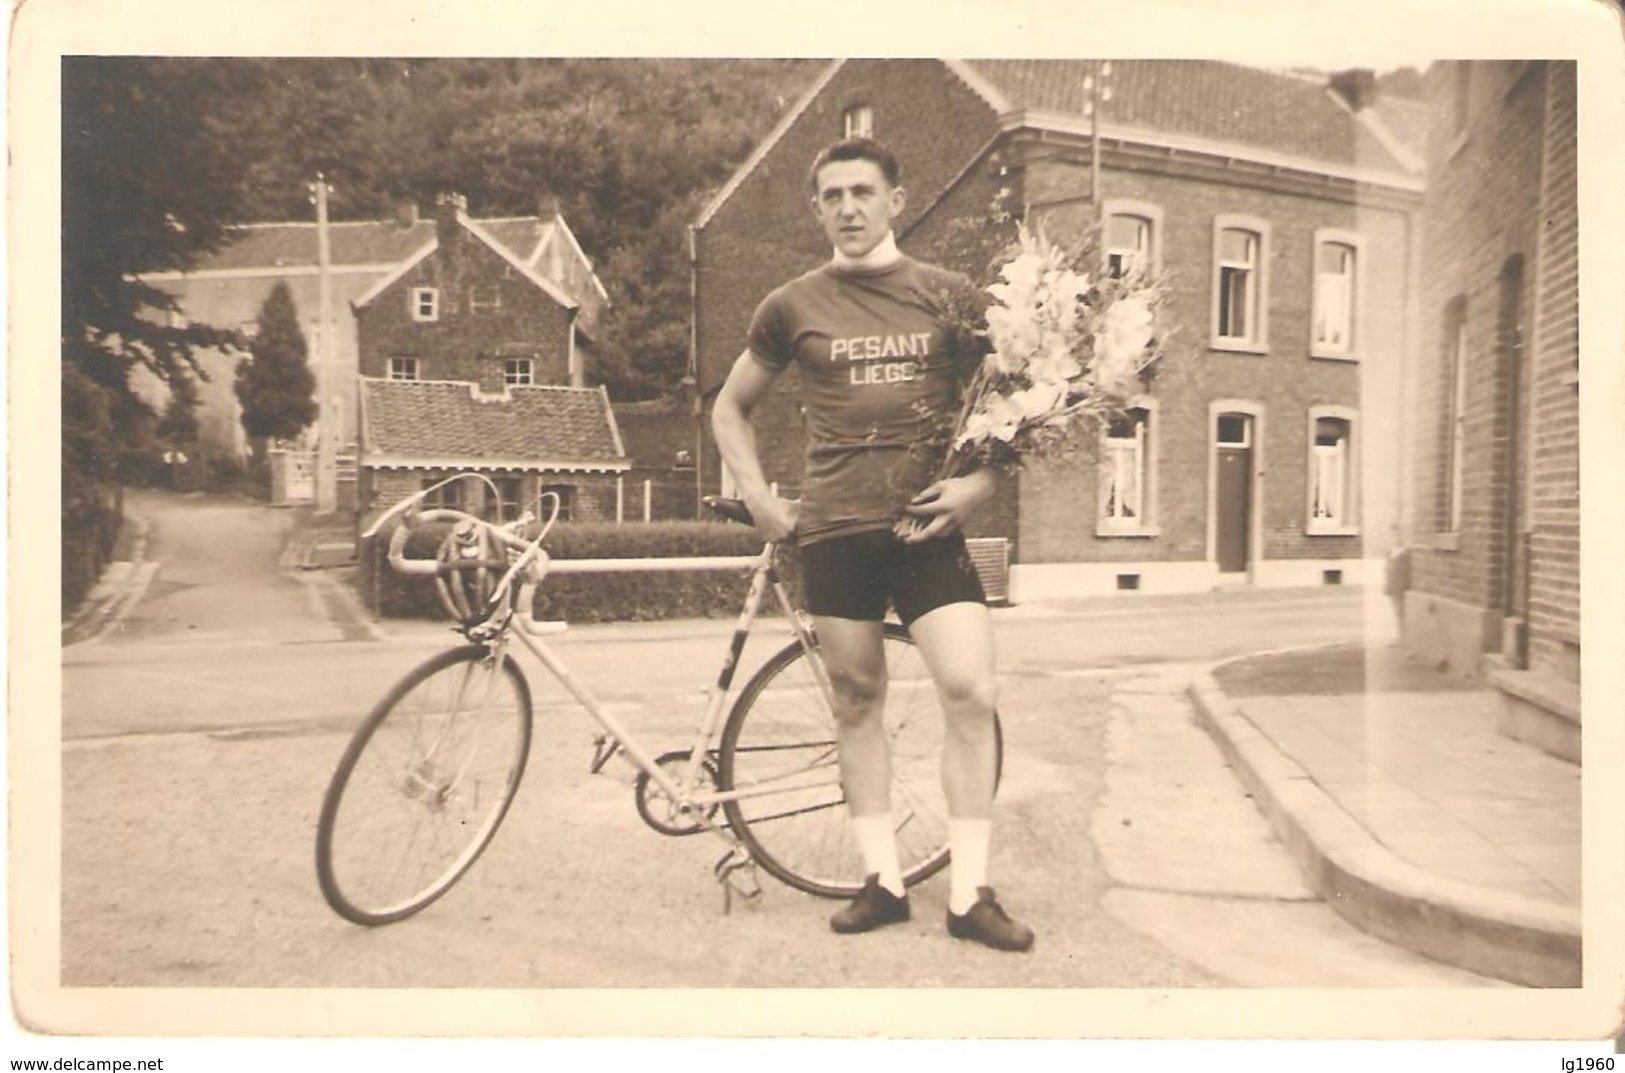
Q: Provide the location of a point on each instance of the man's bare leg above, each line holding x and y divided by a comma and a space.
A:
957, 643
854, 655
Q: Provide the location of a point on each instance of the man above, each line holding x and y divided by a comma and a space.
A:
879, 371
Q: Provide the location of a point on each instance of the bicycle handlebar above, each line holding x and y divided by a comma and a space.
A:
410, 521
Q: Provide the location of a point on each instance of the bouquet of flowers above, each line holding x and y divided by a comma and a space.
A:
1064, 349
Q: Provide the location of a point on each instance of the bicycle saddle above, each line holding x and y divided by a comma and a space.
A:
733, 510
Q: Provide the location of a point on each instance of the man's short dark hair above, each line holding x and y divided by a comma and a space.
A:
858, 147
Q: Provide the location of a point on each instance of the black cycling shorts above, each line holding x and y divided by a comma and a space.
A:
857, 575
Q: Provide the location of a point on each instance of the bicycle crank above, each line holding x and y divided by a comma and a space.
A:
666, 815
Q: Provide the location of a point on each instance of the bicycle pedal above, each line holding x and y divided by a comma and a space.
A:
736, 871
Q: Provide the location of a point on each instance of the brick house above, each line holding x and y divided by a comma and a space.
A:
228, 287
1280, 207
523, 439
470, 331
1495, 560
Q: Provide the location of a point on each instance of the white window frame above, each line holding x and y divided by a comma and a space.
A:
1321, 306
1344, 463
477, 306
1257, 339
1150, 214
518, 372
424, 304
405, 369
1140, 452
858, 120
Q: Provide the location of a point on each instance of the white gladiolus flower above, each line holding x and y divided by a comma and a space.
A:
1039, 400
1125, 333
1037, 327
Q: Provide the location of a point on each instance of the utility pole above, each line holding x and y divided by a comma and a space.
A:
327, 419
1097, 92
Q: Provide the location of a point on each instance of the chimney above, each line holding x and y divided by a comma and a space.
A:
1357, 86
406, 214
447, 229
547, 207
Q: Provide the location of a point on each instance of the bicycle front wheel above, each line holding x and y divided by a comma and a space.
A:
778, 752
423, 785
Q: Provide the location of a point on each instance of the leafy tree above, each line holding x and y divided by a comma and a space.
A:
275, 385
148, 184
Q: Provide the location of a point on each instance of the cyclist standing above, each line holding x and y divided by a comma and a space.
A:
879, 367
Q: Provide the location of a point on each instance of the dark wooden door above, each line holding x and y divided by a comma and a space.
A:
1233, 500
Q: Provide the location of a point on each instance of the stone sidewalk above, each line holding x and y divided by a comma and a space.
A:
1406, 809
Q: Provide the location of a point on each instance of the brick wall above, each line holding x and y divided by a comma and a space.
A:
1060, 501
1492, 180
1554, 598
465, 343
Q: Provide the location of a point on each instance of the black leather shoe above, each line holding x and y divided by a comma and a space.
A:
990, 925
874, 907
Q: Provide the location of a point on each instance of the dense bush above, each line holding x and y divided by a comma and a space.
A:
596, 597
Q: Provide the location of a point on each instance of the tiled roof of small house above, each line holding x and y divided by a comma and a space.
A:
1277, 111
445, 423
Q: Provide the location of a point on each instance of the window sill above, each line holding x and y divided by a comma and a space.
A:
1237, 346
1335, 355
1333, 531
1137, 533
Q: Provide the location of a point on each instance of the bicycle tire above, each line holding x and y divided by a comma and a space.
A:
424, 759
803, 838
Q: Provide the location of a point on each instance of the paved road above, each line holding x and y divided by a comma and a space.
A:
196, 749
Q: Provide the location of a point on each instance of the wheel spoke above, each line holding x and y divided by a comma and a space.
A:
423, 786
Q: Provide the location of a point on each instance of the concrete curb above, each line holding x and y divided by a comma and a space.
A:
1502, 935
120, 588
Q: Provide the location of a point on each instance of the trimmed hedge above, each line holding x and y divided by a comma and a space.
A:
598, 597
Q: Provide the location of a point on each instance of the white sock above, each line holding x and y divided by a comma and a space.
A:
968, 841
878, 844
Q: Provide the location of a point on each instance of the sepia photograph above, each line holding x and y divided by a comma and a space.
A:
1034, 529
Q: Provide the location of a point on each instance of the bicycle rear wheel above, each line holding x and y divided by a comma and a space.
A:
423, 785
778, 746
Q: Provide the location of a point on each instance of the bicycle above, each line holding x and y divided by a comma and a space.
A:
430, 773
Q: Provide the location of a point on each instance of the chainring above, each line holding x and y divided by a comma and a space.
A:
660, 811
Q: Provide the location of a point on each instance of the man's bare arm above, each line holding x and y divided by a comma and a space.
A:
747, 383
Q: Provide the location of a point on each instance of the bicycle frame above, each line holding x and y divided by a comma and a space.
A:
509, 604
683, 791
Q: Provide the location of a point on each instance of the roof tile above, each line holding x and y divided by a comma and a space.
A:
1221, 102
444, 419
